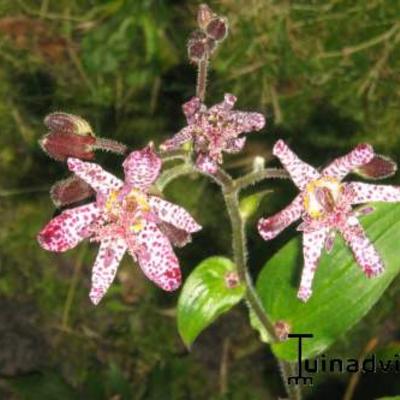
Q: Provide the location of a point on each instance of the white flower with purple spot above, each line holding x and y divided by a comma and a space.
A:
325, 206
214, 130
124, 217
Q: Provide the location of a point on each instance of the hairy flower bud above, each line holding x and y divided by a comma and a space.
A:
217, 29
204, 15
70, 191
68, 123
61, 145
380, 167
197, 47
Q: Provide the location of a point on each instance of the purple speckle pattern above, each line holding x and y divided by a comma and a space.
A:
214, 130
328, 210
124, 217
142, 168
100, 180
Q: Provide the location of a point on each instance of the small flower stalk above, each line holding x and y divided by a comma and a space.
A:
214, 131
124, 218
325, 207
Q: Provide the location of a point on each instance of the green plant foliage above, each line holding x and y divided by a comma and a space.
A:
389, 398
342, 294
42, 386
205, 296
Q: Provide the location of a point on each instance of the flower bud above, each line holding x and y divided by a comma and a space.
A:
217, 29
61, 145
282, 330
69, 191
68, 123
197, 47
380, 167
204, 16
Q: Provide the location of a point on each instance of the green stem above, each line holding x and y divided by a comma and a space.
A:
253, 177
239, 247
175, 172
288, 369
202, 79
110, 145
230, 190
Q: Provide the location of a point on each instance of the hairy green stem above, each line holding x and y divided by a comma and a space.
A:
288, 369
111, 145
175, 172
174, 155
230, 190
253, 177
201, 85
239, 247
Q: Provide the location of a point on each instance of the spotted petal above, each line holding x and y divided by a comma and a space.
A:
191, 108
142, 168
225, 105
272, 226
105, 267
366, 192
313, 243
156, 257
246, 121
342, 166
182, 137
235, 145
300, 172
69, 228
173, 214
206, 164
363, 250
100, 180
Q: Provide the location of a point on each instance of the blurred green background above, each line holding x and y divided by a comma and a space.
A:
325, 74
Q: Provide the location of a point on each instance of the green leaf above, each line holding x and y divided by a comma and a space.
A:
389, 398
248, 205
205, 296
342, 294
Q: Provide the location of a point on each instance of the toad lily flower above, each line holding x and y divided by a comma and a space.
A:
124, 217
325, 205
214, 130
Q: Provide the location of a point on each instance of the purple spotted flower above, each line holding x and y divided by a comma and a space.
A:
325, 206
214, 130
124, 217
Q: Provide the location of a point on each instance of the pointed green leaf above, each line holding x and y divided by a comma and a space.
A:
248, 205
342, 294
205, 296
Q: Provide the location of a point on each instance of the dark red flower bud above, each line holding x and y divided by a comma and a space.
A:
197, 46
204, 15
69, 191
217, 29
68, 123
380, 167
60, 146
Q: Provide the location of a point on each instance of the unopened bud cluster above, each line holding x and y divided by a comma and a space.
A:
72, 136
213, 29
